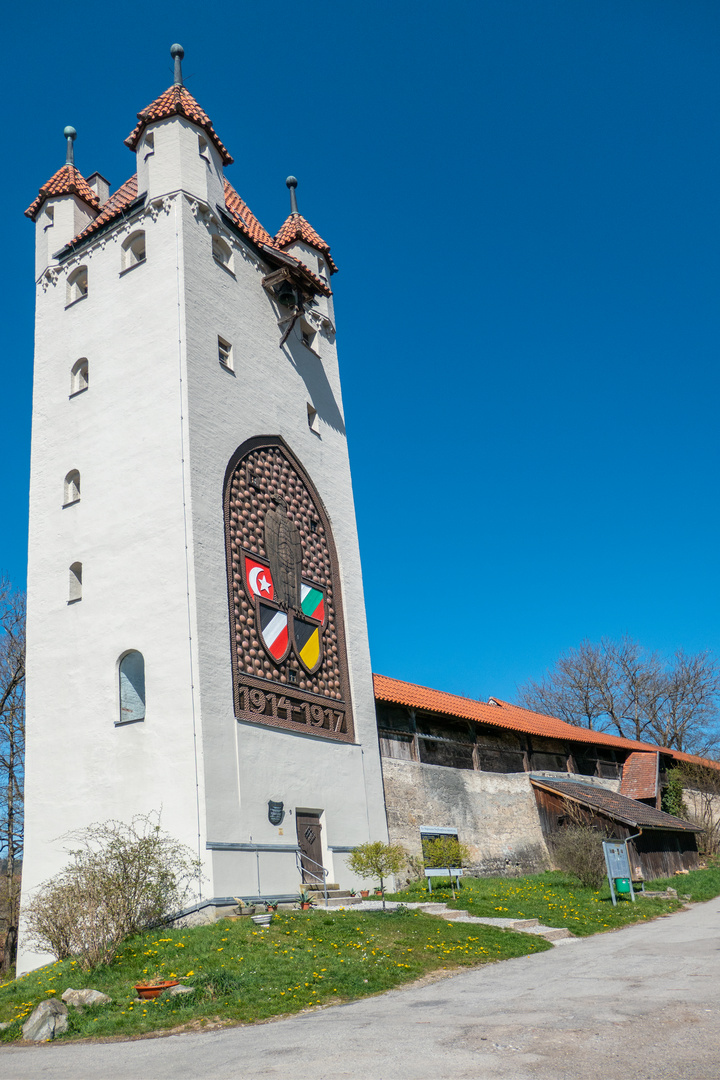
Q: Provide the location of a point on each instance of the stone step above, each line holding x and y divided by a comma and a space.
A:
320, 888
338, 901
552, 933
525, 924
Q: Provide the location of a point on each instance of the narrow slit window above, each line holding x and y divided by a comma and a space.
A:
203, 150
79, 376
307, 335
225, 355
149, 145
313, 419
71, 493
132, 687
77, 286
75, 584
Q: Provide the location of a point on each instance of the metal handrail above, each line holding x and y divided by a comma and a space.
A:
322, 876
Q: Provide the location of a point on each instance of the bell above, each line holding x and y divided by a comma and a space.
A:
286, 295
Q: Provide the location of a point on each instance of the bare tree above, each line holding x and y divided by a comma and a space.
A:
12, 756
621, 687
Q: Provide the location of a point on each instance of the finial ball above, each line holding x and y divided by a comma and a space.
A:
70, 133
177, 50
291, 182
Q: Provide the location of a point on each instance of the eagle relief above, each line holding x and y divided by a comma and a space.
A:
287, 635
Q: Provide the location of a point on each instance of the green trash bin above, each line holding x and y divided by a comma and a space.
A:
622, 885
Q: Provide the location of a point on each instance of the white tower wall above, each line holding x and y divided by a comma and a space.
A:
151, 438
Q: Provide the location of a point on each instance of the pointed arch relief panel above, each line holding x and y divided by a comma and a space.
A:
287, 633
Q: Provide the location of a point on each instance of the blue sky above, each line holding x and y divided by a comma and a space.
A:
522, 199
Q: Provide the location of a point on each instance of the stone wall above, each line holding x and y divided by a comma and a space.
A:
494, 813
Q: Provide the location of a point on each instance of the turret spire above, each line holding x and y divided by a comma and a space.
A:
292, 184
71, 135
177, 52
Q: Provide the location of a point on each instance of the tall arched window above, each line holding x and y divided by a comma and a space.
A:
77, 285
133, 250
75, 584
79, 376
132, 687
71, 492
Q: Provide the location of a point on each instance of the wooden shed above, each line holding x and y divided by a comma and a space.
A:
665, 844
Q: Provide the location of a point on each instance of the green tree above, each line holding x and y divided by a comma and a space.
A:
376, 861
445, 853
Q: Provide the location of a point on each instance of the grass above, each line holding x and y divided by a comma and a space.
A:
242, 974
699, 885
556, 899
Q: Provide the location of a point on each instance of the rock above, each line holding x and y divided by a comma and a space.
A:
172, 991
78, 998
48, 1020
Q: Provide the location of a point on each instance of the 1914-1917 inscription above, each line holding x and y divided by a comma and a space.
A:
287, 707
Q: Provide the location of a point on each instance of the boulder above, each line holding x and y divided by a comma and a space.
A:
173, 991
79, 998
48, 1020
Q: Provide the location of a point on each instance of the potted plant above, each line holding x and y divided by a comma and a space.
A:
263, 916
364, 893
305, 899
243, 908
153, 988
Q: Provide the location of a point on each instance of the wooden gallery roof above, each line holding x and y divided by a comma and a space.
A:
618, 807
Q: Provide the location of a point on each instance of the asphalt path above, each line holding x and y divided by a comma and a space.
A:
642, 1003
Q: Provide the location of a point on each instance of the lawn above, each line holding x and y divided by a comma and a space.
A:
556, 899
699, 885
241, 973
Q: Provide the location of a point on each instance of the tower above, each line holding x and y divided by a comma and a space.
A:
197, 641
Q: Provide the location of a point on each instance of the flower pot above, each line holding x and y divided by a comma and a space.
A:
263, 920
364, 893
305, 906
144, 990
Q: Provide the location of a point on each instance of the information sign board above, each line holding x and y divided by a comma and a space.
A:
617, 863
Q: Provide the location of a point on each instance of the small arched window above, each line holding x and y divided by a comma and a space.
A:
77, 285
72, 488
132, 687
79, 375
133, 250
75, 589
222, 253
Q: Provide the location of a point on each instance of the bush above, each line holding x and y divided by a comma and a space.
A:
444, 853
577, 850
122, 879
377, 861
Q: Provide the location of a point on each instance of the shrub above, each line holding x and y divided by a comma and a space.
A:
444, 852
672, 796
122, 879
577, 850
377, 861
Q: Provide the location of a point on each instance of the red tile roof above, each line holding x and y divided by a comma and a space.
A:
176, 101
295, 227
114, 207
640, 776
244, 218
66, 181
502, 714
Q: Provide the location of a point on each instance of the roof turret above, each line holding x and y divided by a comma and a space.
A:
176, 101
66, 181
295, 228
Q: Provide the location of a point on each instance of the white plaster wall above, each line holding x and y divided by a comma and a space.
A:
151, 438
268, 394
124, 436
69, 217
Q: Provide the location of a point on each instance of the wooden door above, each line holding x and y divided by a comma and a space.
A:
309, 834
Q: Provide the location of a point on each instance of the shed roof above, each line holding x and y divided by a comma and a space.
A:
618, 807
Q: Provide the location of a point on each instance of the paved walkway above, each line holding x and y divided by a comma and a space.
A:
639, 1004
